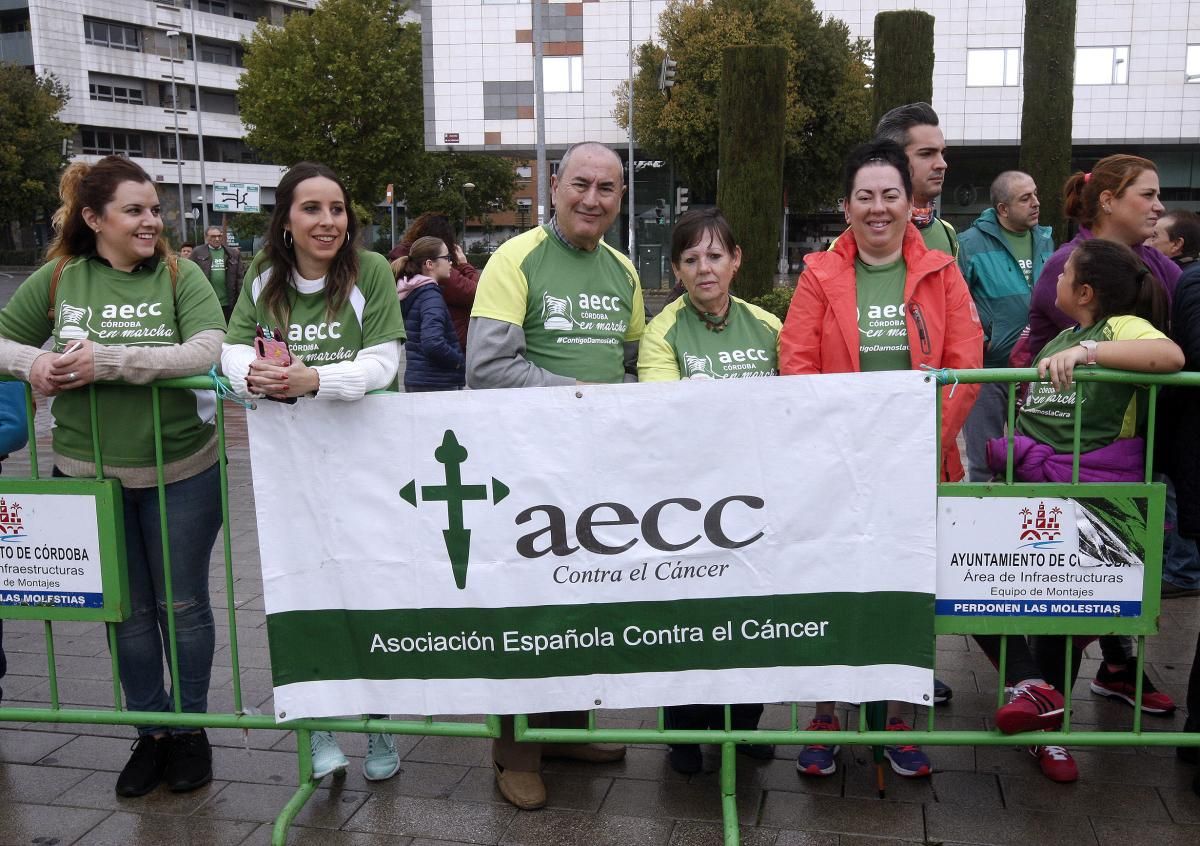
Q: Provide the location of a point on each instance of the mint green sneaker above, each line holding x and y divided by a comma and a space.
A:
327, 756
382, 761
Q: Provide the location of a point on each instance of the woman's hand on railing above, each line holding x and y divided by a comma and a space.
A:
53, 373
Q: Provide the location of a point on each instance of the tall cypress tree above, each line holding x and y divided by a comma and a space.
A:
1049, 98
751, 112
903, 59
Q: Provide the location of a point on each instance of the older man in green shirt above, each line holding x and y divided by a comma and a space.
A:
556, 306
222, 265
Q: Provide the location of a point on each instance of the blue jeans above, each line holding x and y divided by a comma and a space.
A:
986, 421
1181, 559
193, 521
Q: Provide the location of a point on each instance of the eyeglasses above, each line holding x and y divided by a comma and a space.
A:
439, 258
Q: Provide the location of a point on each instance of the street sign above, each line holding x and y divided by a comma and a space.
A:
450, 138
235, 197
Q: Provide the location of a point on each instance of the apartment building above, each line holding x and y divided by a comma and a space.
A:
134, 69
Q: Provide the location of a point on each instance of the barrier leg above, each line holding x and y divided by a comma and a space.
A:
729, 812
308, 786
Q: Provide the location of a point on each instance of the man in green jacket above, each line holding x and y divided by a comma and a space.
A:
1001, 256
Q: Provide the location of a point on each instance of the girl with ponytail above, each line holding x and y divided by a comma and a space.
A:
118, 308
1119, 314
434, 357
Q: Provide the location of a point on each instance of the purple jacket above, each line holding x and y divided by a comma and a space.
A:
1121, 461
1046, 321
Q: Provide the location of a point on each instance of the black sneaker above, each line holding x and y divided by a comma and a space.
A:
146, 766
189, 763
942, 692
685, 758
757, 751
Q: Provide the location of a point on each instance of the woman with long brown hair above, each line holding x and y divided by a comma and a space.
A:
335, 307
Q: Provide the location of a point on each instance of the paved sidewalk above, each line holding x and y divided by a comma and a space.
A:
56, 782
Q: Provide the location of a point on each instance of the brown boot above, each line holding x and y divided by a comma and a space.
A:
593, 753
525, 790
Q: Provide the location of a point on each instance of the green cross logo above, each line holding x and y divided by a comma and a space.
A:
454, 493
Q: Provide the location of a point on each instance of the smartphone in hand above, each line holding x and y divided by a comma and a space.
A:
270, 347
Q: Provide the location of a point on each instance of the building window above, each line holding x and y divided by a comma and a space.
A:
104, 143
217, 54
562, 74
216, 7
1193, 63
994, 67
116, 93
1101, 65
110, 34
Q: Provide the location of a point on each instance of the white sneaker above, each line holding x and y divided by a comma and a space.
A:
327, 756
382, 761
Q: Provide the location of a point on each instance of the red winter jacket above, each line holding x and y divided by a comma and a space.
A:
821, 334
458, 291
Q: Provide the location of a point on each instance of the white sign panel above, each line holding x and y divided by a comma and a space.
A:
236, 197
49, 551
1038, 557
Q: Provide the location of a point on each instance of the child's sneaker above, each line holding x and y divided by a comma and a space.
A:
1122, 684
818, 760
1031, 707
1056, 763
906, 759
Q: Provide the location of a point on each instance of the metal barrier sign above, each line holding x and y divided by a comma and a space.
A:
1044, 558
617, 546
62, 550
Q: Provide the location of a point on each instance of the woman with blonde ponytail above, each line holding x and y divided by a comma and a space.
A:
119, 308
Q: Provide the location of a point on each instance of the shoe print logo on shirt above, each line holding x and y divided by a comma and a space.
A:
556, 313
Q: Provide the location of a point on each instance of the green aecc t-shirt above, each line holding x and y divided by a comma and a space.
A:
882, 329
1022, 250
370, 316
678, 346
217, 275
1110, 410
576, 308
106, 306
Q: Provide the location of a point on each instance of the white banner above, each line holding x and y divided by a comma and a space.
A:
606, 545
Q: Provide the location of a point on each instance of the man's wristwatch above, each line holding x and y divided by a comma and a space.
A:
1090, 347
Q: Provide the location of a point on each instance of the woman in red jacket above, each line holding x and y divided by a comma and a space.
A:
881, 300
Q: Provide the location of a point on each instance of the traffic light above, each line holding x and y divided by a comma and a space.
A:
681, 200
660, 211
666, 74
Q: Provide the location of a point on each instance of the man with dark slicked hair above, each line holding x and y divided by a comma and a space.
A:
915, 128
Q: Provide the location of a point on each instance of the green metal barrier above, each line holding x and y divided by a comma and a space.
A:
864, 734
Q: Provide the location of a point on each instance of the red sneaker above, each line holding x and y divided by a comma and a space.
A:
1122, 684
1031, 707
1056, 763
